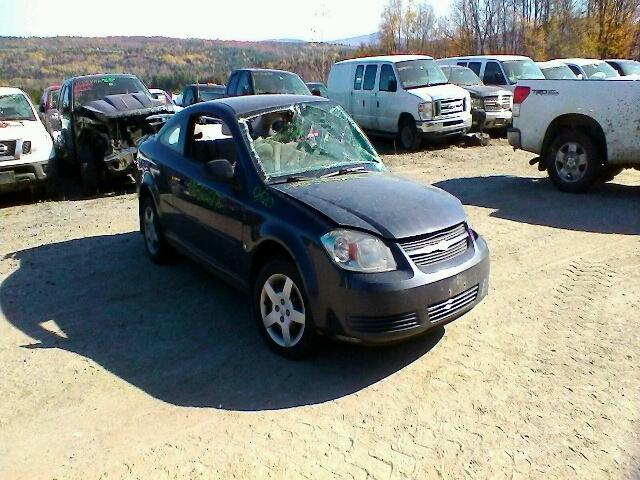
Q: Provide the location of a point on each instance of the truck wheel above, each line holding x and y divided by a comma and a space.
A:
88, 170
282, 310
573, 162
408, 136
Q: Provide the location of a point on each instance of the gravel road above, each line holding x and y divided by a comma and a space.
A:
111, 367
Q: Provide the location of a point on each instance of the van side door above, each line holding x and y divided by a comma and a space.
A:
386, 105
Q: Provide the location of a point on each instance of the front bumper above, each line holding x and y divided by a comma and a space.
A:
443, 127
497, 119
16, 176
371, 310
121, 162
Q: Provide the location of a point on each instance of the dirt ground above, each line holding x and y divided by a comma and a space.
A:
113, 368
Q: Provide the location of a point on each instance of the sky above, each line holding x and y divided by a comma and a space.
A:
315, 20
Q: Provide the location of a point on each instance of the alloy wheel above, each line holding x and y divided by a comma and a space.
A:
571, 162
282, 310
150, 232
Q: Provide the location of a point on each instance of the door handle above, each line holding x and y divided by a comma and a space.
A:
378, 102
363, 103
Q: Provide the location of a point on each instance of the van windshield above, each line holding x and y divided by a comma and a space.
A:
420, 73
522, 70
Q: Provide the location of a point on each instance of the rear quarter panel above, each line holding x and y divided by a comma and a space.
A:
613, 105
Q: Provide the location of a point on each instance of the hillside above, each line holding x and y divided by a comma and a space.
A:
33, 63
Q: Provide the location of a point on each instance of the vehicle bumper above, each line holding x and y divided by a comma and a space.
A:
497, 119
446, 126
373, 312
514, 137
19, 175
121, 162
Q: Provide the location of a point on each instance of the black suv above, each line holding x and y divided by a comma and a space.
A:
259, 81
100, 118
285, 197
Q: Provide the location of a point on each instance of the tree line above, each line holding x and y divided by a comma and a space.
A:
541, 29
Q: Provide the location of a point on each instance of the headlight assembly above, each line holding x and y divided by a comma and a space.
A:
358, 252
425, 111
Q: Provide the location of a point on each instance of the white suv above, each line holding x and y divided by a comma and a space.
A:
499, 70
25, 144
590, 68
404, 95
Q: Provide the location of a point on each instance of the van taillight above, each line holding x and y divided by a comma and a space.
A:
520, 94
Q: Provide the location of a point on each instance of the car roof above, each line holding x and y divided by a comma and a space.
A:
385, 58
256, 103
551, 64
580, 61
11, 91
488, 57
98, 75
621, 60
263, 70
206, 85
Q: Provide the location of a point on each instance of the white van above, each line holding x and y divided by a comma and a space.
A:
404, 95
499, 70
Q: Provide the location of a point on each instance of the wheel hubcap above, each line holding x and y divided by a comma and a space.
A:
571, 162
150, 232
282, 310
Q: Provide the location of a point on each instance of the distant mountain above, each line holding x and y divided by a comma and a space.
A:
286, 40
370, 39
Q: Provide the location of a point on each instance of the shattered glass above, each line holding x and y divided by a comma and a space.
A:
307, 139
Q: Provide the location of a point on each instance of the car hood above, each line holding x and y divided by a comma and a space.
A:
23, 130
124, 105
486, 90
438, 92
381, 203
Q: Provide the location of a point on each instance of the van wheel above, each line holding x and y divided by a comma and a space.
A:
88, 170
282, 310
408, 136
573, 162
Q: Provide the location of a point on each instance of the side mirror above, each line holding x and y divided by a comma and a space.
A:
220, 170
393, 85
315, 92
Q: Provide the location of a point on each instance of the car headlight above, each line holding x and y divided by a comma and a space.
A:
425, 111
477, 102
358, 252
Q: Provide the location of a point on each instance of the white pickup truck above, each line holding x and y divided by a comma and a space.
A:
584, 131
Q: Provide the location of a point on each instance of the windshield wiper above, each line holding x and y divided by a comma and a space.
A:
417, 86
344, 171
290, 179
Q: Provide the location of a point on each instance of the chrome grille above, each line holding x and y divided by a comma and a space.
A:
497, 103
7, 149
454, 305
439, 246
449, 107
392, 323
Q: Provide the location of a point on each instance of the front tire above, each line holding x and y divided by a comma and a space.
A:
408, 135
89, 174
573, 162
282, 310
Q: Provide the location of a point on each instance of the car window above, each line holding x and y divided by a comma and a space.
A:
526, 69
493, 74
53, 98
233, 83
475, 67
600, 70
66, 99
210, 139
370, 77
170, 137
187, 98
388, 82
357, 83
575, 70
463, 77
244, 84
462, 64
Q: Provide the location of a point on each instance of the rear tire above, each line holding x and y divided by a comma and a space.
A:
89, 174
573, 162
282, 310
408, 136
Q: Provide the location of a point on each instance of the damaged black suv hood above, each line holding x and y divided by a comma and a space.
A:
386, 205
124, 105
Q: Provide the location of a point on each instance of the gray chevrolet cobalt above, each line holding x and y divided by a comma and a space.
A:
284, 197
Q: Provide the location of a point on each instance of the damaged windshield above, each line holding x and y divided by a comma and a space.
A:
89, 89
420, 73
308, 140
15, 107
278, 82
